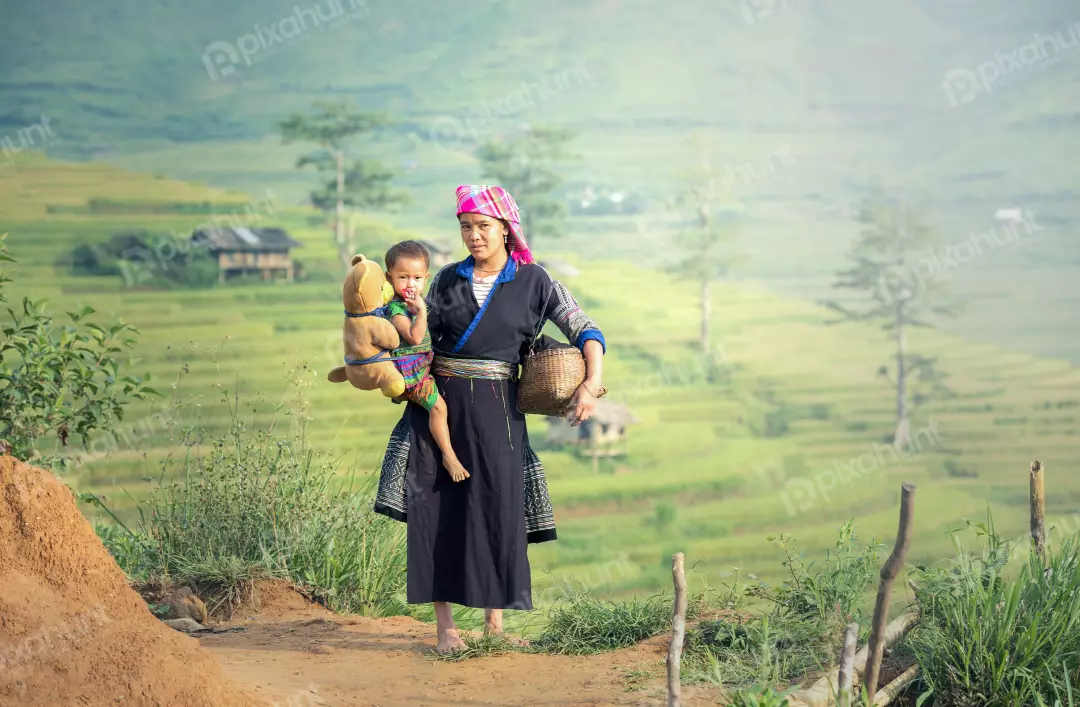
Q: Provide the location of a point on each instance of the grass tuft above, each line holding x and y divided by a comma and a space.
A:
988, 639
481, 646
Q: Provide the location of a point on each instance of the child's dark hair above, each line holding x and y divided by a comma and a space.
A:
407, 249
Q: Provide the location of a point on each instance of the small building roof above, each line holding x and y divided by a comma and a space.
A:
244, 239
608, 412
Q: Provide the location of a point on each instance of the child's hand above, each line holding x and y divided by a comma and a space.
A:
416, 304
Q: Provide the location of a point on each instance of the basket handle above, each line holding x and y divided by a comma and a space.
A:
543, 315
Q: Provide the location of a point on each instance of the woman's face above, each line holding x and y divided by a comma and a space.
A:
482, 235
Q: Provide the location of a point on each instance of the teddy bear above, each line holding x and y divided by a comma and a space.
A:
367, 336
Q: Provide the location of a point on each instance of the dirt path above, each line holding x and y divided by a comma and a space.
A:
299, 655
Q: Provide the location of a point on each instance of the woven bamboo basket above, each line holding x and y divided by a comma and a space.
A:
548, 381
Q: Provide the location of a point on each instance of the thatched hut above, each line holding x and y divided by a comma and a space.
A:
604, 434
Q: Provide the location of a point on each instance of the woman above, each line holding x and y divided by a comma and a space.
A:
468, 540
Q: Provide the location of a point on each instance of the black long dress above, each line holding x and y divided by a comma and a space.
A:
467, 541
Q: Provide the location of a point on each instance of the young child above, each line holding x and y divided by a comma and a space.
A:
407, 270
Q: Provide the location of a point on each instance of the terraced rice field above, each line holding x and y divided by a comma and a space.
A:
695, 446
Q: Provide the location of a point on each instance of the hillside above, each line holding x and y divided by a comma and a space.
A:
842, 92
702, 450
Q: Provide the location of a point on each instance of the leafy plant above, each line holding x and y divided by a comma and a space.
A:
801, 628
837, 587
61, 379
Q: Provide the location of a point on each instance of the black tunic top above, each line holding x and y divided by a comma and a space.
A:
520, 299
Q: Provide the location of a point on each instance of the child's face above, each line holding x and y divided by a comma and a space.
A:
407, 277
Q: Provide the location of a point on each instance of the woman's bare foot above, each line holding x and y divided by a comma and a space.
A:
493, 621
457, 471
450, 641
493, 626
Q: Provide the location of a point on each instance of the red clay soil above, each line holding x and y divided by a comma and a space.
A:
299, 654
72, 632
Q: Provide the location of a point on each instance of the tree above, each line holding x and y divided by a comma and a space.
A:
707, 252
65, 380
883, 271
529, 168
361, 183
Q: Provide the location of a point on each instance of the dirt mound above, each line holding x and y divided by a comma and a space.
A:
72, 631
274, 598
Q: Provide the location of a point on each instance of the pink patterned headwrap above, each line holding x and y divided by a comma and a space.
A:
496, 202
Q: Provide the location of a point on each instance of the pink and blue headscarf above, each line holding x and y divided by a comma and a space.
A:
496, 202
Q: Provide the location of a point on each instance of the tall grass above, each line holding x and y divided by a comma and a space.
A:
257, 502
988, 639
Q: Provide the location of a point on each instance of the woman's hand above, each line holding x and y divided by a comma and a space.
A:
581, 406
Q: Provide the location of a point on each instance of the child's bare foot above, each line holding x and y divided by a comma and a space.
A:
450, 641
457, 471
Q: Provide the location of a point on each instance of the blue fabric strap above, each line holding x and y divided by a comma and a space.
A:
377, 312
381, 356
487, 300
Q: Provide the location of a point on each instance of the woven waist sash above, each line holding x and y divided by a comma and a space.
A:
473, 368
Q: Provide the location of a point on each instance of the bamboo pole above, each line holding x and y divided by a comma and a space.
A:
847, 663
823, 692
889, 571
678, 633
1038, 510
890, 692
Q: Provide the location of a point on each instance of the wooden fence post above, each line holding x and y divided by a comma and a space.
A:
847, 665
678, 633
1038, 510
889, 571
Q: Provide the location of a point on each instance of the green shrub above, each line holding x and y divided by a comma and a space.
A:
258, 503
989, 640
61, 380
